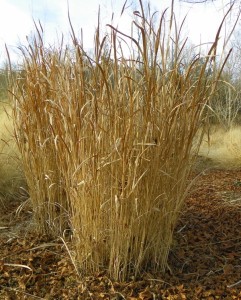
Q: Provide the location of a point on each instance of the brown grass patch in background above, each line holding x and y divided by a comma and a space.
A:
222, 147
11, 174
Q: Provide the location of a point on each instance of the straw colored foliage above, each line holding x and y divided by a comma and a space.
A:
107, 141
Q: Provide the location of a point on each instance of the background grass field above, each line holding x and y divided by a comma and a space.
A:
11, 173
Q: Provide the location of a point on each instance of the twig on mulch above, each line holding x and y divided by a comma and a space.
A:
234, 284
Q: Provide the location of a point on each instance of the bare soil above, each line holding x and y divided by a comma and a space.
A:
204, 262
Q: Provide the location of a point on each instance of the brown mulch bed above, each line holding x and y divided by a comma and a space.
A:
204, 262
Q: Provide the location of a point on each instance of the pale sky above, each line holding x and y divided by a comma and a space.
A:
16, 19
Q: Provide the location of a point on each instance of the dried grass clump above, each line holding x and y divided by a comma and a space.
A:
34, 120
107, 141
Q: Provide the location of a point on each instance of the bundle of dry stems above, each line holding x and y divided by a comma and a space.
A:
107, 141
